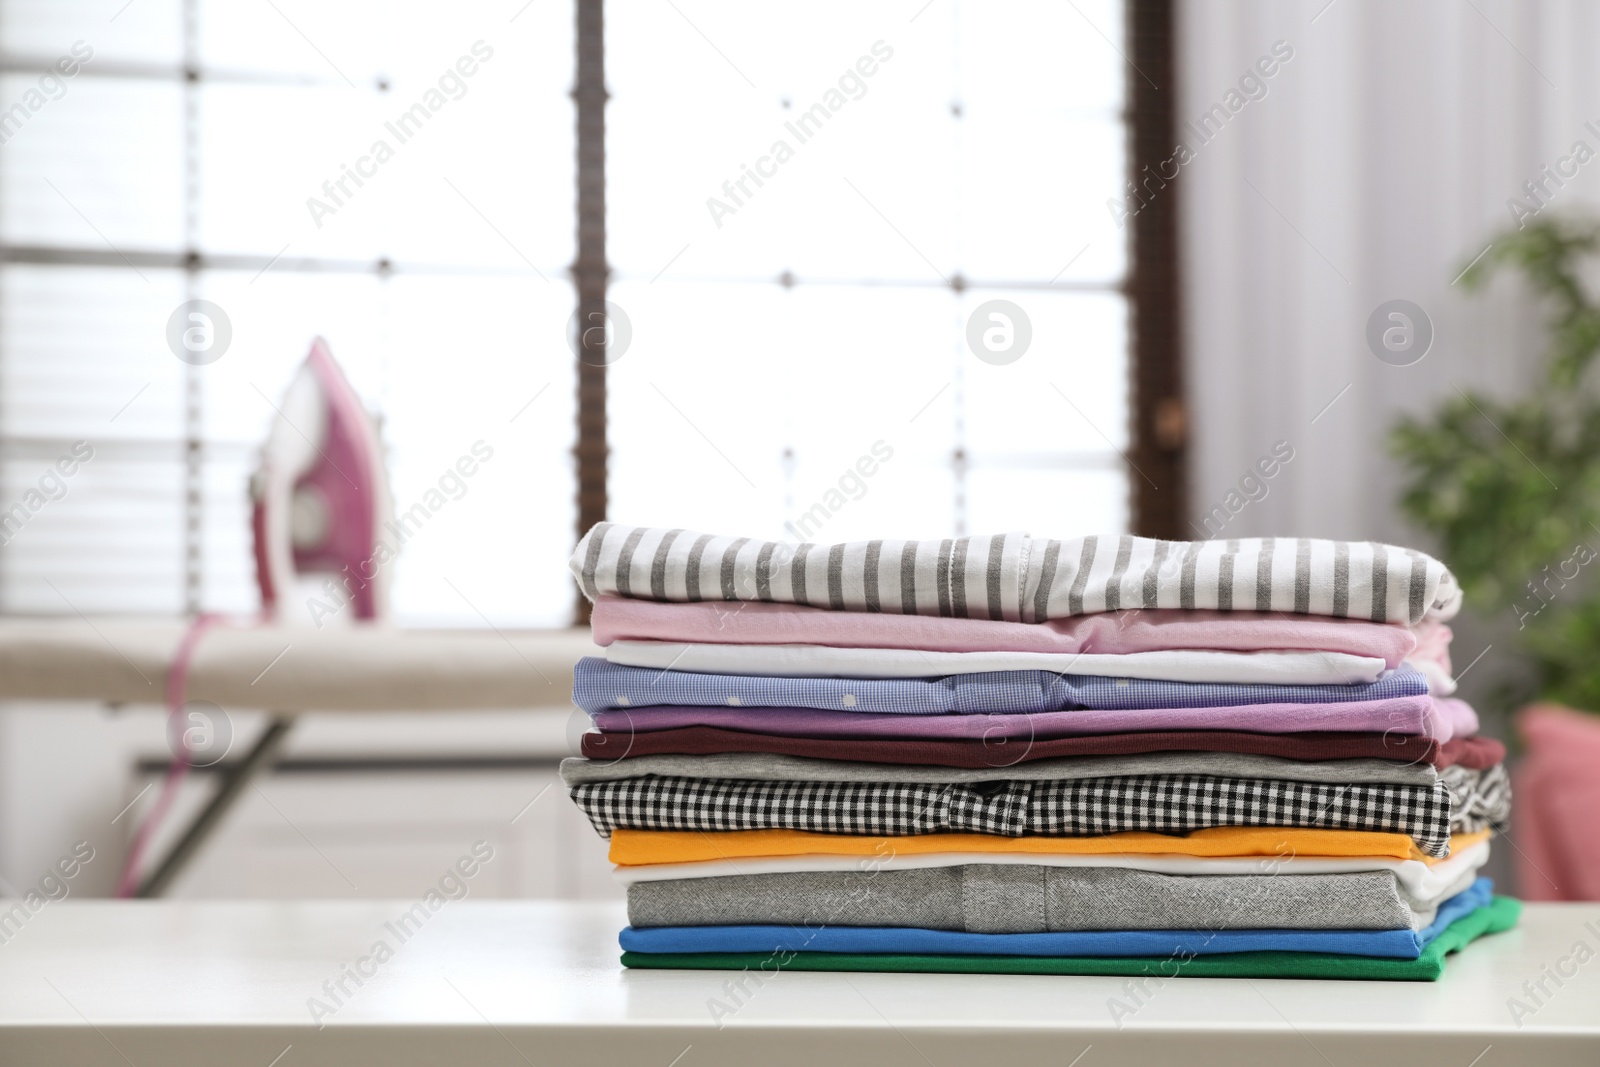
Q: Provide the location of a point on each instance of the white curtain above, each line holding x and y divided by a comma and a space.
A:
1377, 165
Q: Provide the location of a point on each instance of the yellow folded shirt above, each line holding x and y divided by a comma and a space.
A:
633, 847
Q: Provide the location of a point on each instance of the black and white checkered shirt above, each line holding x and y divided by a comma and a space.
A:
1163, 803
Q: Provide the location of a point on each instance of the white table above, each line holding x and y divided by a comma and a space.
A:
163, 984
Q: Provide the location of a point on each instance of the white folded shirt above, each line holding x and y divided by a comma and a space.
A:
1175, 665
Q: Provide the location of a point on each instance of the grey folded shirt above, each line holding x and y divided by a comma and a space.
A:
771, 767
993, 898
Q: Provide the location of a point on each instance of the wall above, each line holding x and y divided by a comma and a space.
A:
1378, 165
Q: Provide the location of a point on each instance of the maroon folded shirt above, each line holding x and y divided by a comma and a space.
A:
1476, 753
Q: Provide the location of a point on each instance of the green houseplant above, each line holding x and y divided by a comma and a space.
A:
1512, 488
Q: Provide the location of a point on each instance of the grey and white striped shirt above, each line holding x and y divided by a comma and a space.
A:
1021, 578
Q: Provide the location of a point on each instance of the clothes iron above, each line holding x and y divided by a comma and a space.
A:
320, 497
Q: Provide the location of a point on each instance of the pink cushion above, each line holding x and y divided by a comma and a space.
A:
1556, 813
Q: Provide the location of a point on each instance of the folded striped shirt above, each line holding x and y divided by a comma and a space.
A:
599, 685
1480, 797
1021, 578
1161, 803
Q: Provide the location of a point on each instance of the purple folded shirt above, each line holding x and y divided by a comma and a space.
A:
1435, 718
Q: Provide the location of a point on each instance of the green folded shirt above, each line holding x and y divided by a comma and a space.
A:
1498, 915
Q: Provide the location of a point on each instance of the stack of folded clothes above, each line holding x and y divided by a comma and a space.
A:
1106, 755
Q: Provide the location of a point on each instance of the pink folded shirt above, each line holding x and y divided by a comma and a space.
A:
755, 623
1432, 655
1438, 719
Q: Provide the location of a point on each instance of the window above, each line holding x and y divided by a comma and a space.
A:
808, 207
797, 317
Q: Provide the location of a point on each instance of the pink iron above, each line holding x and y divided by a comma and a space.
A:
321, 494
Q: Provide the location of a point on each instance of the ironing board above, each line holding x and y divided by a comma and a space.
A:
287, 672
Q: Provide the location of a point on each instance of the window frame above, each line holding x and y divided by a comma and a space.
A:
1156, 405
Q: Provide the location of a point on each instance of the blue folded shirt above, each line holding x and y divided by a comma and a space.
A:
599, 685
909, 940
